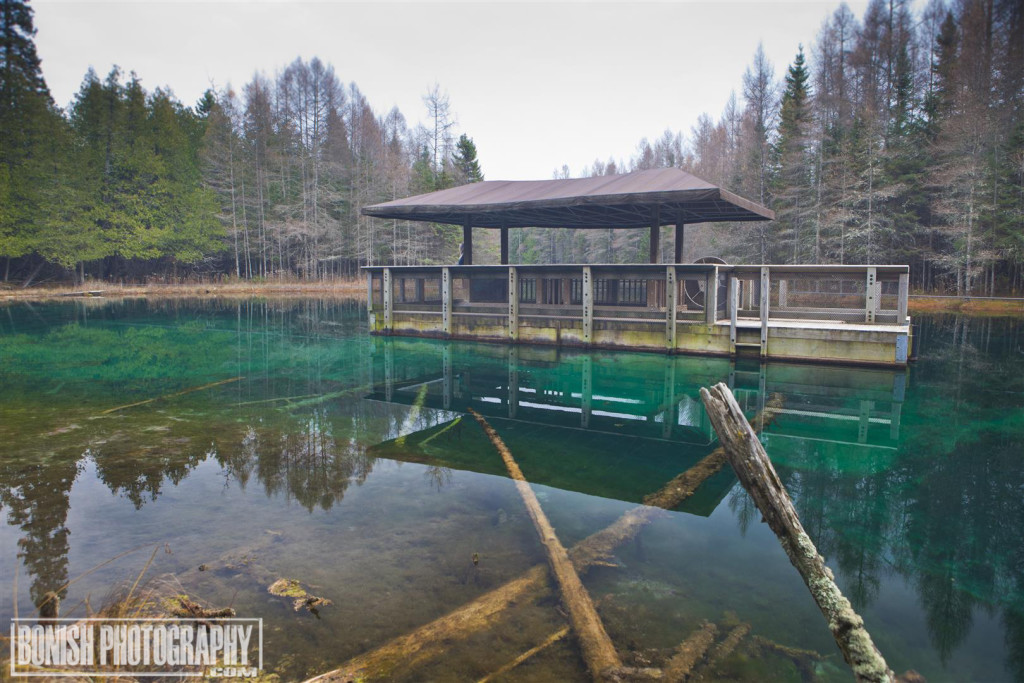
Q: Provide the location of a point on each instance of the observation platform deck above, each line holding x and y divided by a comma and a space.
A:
847, 314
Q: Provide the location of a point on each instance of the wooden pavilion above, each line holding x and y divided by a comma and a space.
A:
819, 313
645, 199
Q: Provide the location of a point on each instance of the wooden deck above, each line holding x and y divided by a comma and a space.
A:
831, 314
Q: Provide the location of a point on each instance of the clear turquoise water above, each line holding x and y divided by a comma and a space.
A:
326, 456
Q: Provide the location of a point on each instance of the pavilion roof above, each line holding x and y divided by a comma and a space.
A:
627, 200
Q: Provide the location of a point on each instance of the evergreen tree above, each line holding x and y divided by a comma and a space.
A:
794, 182
30, 135
466, 165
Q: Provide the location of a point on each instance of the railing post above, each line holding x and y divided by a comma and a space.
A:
765, 299
513, 303
901, 304
870, 300
588, 306
783, 293
386, 291
734, 305
446, 300
369, 298
711, 297
671, 288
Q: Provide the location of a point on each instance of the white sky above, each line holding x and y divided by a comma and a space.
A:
536, 85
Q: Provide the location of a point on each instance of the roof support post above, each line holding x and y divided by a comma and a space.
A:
467, 243
504, 246
680, 241
655, 234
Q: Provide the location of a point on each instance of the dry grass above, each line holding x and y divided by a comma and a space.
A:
975, 307
342, 289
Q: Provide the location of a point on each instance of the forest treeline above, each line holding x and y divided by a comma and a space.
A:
896, 138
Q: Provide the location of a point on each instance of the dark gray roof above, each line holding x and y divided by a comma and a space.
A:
628, 200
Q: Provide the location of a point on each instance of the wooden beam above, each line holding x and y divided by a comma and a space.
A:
504, 246
467, 244
655, 249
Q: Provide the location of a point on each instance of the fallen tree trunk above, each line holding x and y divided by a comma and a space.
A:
433, 639
548, 642
690, 653
757, 475
174, 395
598, 649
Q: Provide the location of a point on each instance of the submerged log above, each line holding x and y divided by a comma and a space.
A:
598, 650
757, 475
690, 653
175, 394
546, 643
433, 639
723, 650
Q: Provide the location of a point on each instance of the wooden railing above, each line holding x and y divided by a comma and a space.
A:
745, 297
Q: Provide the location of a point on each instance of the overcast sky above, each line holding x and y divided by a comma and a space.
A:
536, 85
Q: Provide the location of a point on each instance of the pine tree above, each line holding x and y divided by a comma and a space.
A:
467, 167
793, 185
30, 135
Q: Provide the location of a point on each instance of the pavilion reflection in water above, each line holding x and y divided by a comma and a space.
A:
593, 408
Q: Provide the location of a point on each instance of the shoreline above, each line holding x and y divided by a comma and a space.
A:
356, 288
340, 289
924, 303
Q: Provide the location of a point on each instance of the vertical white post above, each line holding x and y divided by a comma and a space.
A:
901, 304
446, 300
765, 299
387, 299
369, 298
783, 293
734, 306
588, 306
671, 289
711, 297
513, 303
870, 300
